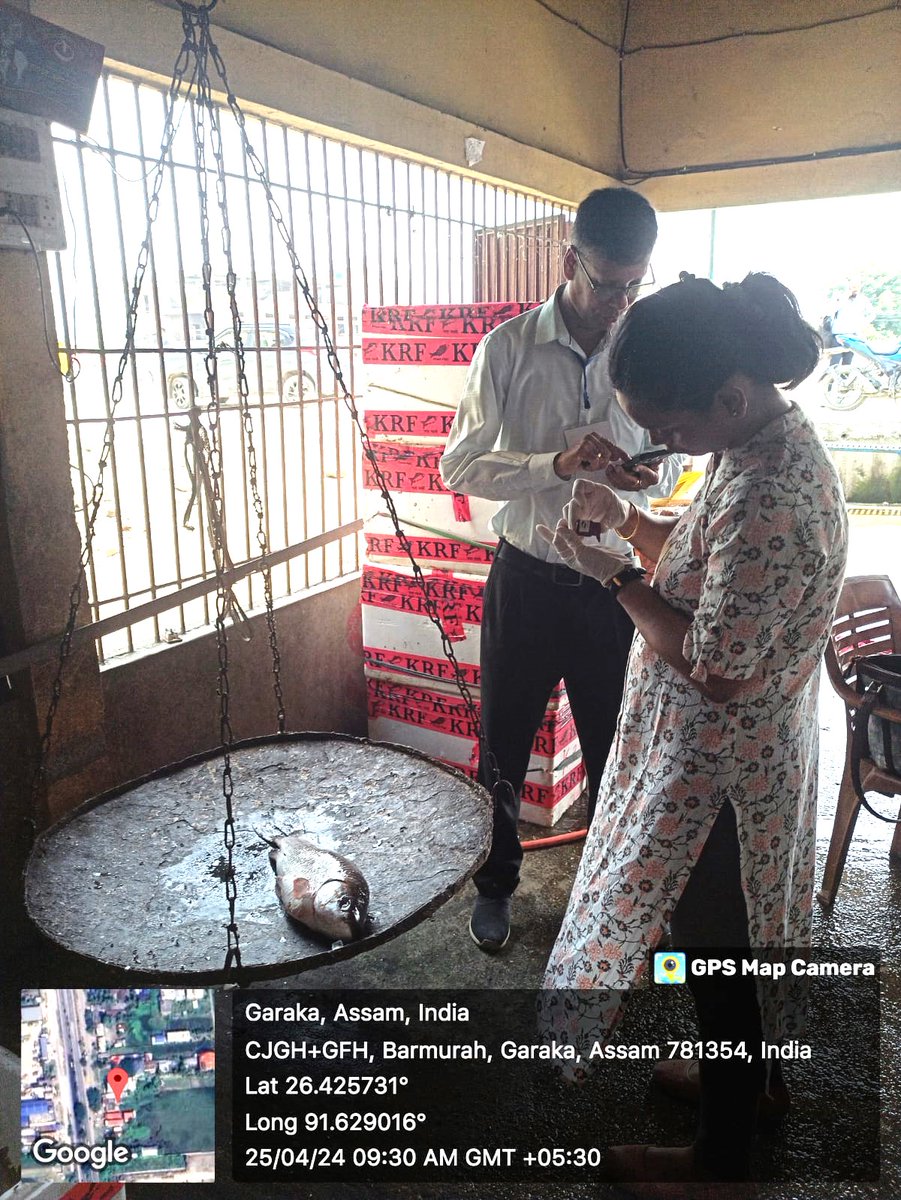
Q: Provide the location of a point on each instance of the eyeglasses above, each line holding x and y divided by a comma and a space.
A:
610, 291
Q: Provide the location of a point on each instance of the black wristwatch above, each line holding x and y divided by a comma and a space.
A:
621, 578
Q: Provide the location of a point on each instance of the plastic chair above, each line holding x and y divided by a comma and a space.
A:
867, 621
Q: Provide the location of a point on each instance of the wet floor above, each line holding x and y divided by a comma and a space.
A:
867, 914
438, 953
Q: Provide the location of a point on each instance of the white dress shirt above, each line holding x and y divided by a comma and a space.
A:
528, 384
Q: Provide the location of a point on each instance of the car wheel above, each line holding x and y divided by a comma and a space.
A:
181, 391
299, 388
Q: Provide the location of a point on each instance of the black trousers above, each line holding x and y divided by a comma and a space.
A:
541, 624
711, 914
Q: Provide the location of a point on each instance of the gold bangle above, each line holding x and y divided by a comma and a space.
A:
627, 537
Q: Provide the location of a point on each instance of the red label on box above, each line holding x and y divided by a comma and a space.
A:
421, 353
405, 468
534, 793
456, 600
468, 320
418, 706
445, 713
436, 549
381, 422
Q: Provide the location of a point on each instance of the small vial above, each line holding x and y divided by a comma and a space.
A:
588, 528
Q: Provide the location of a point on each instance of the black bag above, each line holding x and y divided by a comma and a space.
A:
876, 737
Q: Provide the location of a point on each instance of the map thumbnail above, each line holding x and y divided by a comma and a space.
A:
118, 1084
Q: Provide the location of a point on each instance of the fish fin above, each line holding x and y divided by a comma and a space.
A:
301, 888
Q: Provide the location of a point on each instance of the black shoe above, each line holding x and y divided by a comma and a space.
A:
489, 925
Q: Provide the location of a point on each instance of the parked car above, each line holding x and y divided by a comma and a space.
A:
270, 349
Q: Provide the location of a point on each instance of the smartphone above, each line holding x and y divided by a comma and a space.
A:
649, 458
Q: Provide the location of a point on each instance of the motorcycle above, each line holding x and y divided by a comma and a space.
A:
869, 373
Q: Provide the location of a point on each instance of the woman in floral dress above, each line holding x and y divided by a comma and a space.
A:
705, 816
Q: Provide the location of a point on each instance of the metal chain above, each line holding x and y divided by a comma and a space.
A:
334, 363
199, 50
242, 385
202, 109
75, 595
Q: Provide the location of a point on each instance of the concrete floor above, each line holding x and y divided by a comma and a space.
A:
439, 954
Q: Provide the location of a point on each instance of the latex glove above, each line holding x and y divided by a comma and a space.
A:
598, 504
598, 562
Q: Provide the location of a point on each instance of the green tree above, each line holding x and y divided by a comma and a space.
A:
95, 1100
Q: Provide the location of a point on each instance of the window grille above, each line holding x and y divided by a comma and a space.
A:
369, 227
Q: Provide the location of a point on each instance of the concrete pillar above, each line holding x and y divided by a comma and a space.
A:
40, 554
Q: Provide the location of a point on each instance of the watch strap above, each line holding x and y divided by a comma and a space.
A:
621, 578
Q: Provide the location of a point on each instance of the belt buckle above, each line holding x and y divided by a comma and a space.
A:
565, 576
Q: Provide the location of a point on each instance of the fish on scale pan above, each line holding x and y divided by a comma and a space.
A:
321, 890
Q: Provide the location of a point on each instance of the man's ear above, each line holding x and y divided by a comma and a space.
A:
570, 263
732, 399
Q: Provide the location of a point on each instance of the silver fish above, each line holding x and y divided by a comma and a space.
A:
321, 890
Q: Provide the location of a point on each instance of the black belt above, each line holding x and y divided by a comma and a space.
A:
556, 573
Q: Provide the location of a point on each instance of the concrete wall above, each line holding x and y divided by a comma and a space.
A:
415, 75
540, 83
162, 706
770, 95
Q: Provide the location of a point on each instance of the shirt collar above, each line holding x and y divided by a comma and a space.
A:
550, 326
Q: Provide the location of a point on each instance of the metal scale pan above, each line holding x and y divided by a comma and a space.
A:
133, 878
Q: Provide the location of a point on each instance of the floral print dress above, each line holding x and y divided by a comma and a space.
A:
757, 561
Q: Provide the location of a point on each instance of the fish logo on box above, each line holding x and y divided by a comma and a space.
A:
669, 966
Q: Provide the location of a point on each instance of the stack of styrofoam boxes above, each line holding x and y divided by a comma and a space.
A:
416, 361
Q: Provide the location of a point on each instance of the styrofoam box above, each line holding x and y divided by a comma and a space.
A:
542, 804
408, 642
441, 548
435, 510
405, 385
435, 719
395, 616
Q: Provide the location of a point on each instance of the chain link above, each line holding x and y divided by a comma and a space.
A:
197, 48
75, 595
334, 363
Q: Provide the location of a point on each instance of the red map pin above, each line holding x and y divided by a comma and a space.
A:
117, 1079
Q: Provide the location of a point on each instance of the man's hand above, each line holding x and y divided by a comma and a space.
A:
597, 504
599, 563
635, 480
592, 453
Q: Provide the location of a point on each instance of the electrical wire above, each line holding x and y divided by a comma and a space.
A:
744, 33
577, 25
722, 37
631, 177
71, 374
622, 89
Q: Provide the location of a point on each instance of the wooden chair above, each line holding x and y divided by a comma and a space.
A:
867, 621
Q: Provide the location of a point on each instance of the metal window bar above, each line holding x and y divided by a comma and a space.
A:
373, 227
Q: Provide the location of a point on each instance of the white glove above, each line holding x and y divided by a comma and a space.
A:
596, 561
598, 504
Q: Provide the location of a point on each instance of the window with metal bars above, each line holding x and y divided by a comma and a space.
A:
369, 228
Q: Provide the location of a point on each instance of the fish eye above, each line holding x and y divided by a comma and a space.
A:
345, 903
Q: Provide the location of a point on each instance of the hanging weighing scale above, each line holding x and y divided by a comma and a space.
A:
146, 877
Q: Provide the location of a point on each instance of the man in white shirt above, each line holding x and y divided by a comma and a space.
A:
537, 410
